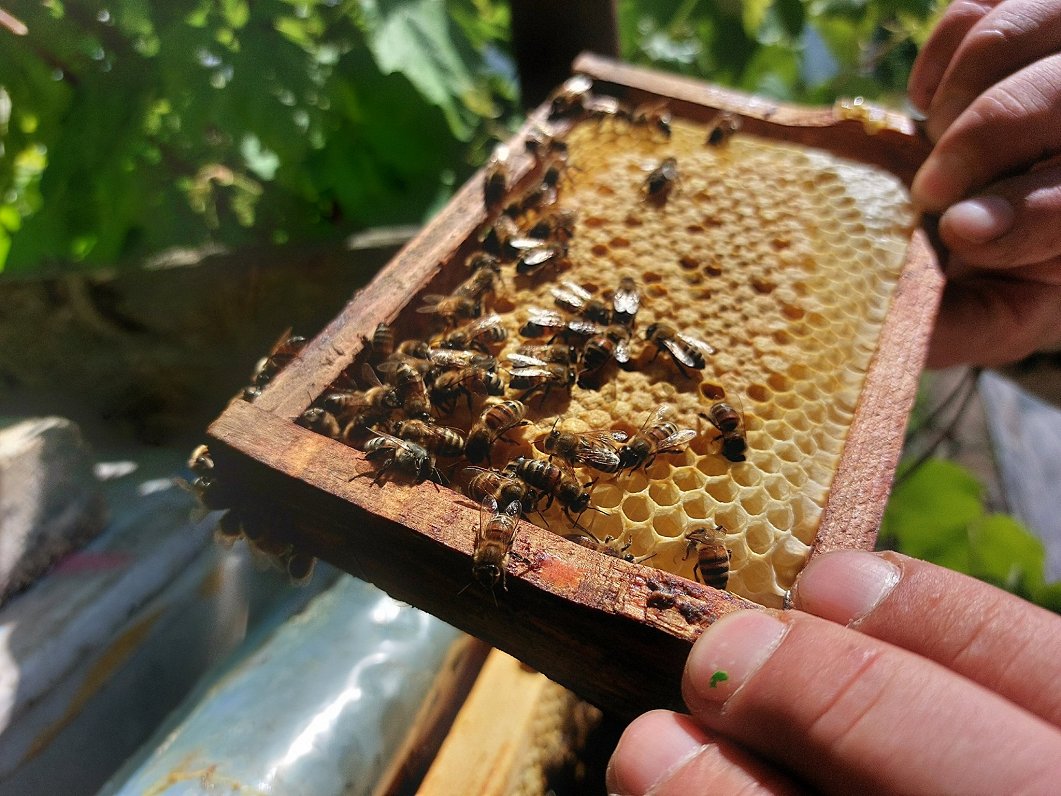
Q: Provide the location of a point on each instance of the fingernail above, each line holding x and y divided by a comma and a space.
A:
979, 220
642, 762
728, 653
940, 181
845, 586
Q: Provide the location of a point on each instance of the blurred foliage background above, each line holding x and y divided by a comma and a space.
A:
131, 128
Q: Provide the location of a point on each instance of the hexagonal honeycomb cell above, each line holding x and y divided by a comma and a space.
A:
784, 259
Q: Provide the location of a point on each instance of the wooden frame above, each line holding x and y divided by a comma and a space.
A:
615, 632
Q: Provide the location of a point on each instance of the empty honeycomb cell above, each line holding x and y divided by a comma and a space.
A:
759, 392
687, 479
607, 496
669, 524
780, 515
754, 501
664, 492
758, 536
636, 508
746, 474
696, 506
723, 490
777, 487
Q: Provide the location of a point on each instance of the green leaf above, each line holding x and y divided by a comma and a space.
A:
928, 514
414, 38
1004, 552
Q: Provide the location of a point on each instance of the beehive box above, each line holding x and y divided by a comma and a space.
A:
791, 249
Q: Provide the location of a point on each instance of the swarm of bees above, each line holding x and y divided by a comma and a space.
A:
440, 406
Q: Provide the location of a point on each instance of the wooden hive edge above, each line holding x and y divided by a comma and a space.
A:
614, 632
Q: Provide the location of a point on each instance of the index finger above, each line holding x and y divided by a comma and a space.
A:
972, 628
1005, 130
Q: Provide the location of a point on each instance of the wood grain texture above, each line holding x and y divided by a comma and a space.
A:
617, 633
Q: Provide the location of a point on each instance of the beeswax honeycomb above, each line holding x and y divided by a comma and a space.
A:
783, 258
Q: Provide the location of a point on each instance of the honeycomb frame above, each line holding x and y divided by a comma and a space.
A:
564, 603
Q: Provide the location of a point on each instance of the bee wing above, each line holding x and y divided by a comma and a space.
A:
369, 375
524, 361
622, 352
487, 509
584, 327
431, 302
571, 295
450, 358
542, 317
626, 301
500, 155
513, 509
679, 352
600, 453
577, 84
526, 244
676, 440
706, 348
659, 414
537, 256
490, 321
531, 372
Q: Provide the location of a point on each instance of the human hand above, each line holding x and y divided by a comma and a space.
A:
989, 80
894, 676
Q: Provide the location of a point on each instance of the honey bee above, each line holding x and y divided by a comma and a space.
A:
435, 439
684, 350
577, 300
477, 334
541, 143
653, 115
408, 458
449, 385
200, 461
359, 408
321, 421
493, 542
532, 260
482, 260
626, 301
712, 556
495, 177
533, 376
657, 435
442, 359
570, 99
417, 349
480, 284
661, 181
497, 238
594, 449
546, 192
408, 382
553, 482
382, 341
730, 425
609, 547
602, 108
558, 353
600, 349
283, 351
451, 308
558, 225
722, 128
495, 420
561, 327
503, 488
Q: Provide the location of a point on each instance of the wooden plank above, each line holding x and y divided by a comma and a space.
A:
615, 632
498, 734
895, 144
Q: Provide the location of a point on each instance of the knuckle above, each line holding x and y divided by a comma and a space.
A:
854, 697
